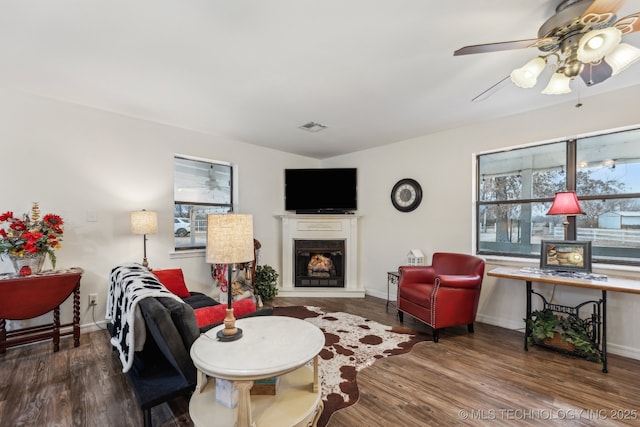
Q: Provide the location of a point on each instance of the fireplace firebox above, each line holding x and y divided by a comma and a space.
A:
319, 263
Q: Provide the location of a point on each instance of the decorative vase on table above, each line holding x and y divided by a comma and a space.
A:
29, 263
27, 239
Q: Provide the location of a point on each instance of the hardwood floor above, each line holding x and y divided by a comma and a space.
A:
485, 378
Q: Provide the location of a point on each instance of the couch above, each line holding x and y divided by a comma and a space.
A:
443, 294
153, 320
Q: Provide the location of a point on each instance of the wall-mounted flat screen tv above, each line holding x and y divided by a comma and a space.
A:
321, 190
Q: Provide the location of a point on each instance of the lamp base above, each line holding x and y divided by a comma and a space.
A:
225, 338
230, 332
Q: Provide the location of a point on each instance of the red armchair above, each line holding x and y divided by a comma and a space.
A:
443, 294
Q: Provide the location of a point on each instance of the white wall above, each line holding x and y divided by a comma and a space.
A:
74, 159
443, 164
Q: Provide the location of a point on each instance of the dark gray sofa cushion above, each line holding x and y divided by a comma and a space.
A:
184, 320
199, 300
161, 327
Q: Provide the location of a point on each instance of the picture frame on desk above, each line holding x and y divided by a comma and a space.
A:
565, 255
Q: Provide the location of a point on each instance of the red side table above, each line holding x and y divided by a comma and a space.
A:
26, 297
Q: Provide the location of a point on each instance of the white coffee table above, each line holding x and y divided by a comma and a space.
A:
270, 346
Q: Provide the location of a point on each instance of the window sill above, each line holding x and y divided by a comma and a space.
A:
189, 253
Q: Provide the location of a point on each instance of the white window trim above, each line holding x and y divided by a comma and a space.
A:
200, 253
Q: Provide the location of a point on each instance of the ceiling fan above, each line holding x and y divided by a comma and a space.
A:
582, 38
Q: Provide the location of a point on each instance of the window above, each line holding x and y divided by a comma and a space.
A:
201, 187
516, 188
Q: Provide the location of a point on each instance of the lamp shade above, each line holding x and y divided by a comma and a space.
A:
527, 76
144, 222
229, 238
596, 44
622, 57
558, 85
565, 203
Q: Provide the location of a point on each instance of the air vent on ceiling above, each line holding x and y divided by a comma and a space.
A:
312, 127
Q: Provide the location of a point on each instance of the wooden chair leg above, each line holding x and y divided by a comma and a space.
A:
470, 327
401, 316
436, 335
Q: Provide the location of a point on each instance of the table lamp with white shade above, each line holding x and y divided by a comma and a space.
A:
144, 222
229, 241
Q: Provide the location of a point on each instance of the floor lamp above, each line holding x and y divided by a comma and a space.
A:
565, 203
144, 222
229, 241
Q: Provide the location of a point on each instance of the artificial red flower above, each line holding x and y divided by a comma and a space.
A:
18, 225
53, 221
5, 216
31, 248
32, 236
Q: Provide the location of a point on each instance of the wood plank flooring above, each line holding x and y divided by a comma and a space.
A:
484, 378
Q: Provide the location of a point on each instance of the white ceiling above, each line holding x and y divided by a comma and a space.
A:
373, 71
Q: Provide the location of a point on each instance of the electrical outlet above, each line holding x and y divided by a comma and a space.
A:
93, 300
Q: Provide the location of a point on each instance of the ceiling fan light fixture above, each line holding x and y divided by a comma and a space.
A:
527, 76
558, 85
622, 57
596, 44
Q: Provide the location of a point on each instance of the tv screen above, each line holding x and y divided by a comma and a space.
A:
321, 190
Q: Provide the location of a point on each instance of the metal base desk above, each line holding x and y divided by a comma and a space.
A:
611, 284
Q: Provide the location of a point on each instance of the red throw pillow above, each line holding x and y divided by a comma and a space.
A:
215, 314
173, 280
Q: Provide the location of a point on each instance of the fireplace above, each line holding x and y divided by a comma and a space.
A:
319, 263
328, 246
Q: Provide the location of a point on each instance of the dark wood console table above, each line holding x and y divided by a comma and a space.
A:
611, 284
26, 297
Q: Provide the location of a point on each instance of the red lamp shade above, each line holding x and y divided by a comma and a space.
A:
565, 203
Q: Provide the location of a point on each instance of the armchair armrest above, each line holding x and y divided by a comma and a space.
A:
417, 274
459, 281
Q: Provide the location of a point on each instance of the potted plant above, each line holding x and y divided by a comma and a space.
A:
563, 332
266, 282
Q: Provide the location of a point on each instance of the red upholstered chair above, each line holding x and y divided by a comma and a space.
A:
443, 294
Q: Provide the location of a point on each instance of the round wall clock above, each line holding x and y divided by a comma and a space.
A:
406, 195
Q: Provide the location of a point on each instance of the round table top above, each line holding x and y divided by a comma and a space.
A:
270, 346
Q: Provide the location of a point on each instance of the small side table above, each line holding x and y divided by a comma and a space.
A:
26, 297
270, 346
392, 279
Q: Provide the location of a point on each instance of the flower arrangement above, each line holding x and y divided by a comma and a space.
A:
30, 235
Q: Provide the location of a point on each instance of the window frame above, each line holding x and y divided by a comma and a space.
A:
231, 206
571, 168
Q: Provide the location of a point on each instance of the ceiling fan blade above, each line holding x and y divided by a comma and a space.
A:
629, 24
495, 47
493, 89
593, 74
600, 12
600, 7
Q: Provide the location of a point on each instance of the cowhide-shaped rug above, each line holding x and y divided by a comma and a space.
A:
351, 344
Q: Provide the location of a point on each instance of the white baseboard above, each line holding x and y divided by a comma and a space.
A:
90, 327
321, 293
620, 350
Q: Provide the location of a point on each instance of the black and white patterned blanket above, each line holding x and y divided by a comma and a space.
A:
128, 284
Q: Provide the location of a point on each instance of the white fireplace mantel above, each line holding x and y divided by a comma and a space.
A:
320, 227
